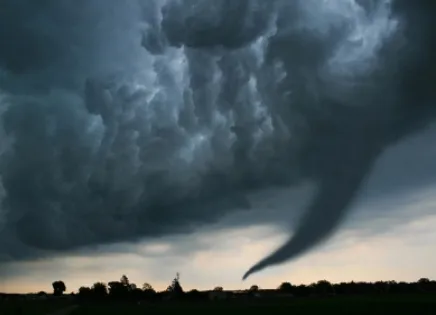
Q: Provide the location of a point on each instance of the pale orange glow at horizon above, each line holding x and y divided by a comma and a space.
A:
404, 254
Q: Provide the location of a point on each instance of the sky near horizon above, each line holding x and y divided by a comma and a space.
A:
290, 140
395, 242
401, 253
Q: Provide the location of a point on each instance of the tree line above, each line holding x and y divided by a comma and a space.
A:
125, 290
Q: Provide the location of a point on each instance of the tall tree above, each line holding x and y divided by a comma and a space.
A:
58, 287
147, 287
124, 281
286, 287
175, 286
99, 289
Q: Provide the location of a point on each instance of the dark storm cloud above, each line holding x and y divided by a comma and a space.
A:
141, 119
226, 23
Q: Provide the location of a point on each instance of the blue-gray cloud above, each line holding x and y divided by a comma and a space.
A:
128, 120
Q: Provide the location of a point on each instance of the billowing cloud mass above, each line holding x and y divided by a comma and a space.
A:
122, 120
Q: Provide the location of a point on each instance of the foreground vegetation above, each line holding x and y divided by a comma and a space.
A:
32, 307
123, 297
398, 305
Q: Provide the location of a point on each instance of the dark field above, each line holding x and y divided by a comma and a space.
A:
399, 304
409, 305
31, 307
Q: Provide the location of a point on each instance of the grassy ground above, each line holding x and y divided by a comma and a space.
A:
397, 305
31, 307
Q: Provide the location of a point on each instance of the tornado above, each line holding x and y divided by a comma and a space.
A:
413, 110
336, 191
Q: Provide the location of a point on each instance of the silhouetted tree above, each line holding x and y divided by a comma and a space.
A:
136, 294
175, 288
424, 284
402, 287
125, 290
382, 286
99, 290
85, 293
286, 287
147, 287
432, 286
424, 281
195, 295
125, 281
254, 288
303, 290
58, 287
354, 288
148, 292
323, 287
118, 290
121, 289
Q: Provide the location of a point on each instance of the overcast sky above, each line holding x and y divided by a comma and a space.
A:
284, 140
403, 252
388, 238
